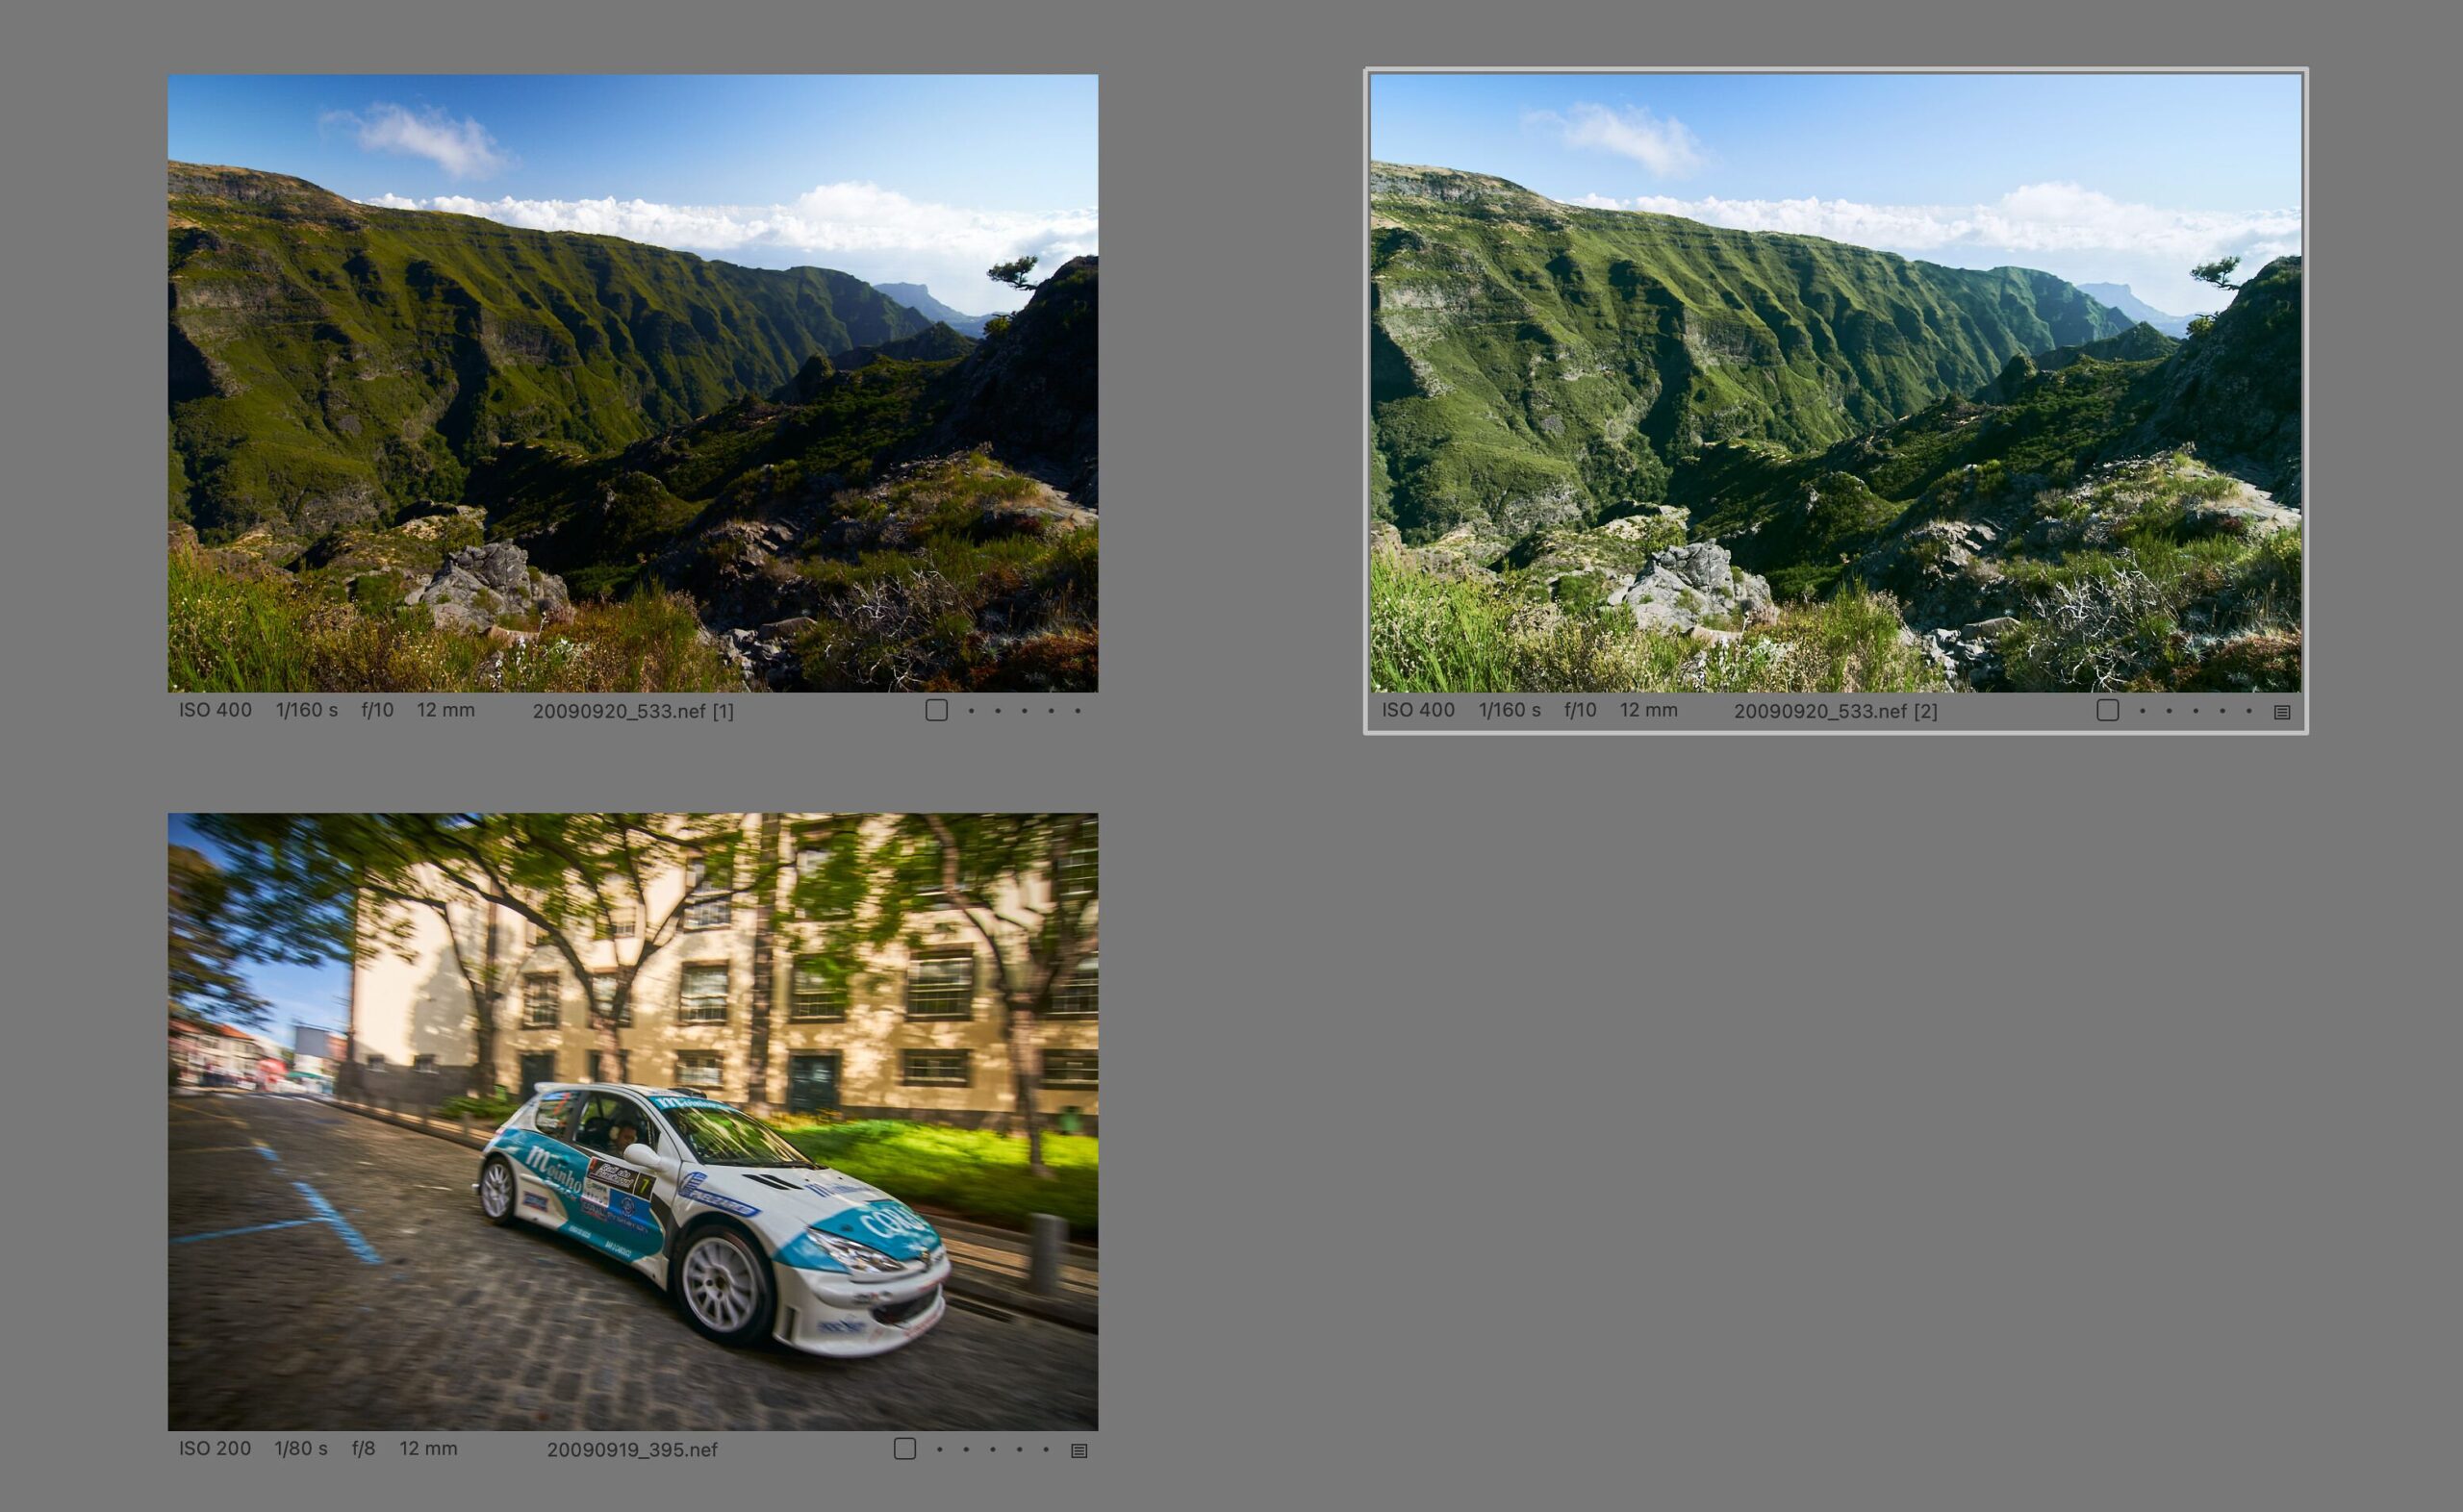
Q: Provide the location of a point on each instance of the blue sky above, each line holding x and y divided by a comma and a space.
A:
312, 995
893, 178
2099, 178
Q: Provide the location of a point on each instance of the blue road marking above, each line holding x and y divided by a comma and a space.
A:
267, 1151
252, 1229
325, 1211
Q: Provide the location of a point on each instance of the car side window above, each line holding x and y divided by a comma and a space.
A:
606, 1116
555, 1115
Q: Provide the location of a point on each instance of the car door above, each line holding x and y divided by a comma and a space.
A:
546, 1166
620, 1207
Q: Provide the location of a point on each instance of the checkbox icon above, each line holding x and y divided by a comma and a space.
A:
904, 1449
2107, 711
936, 709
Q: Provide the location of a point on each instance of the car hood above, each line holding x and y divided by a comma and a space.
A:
787, 1200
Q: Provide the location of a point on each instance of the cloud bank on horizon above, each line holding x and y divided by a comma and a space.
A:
874, 233
2062, 227
2065, 229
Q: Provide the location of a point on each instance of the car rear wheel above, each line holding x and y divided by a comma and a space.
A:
722, 1284
497, 1190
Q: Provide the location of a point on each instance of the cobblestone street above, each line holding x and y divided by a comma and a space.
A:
330, 1272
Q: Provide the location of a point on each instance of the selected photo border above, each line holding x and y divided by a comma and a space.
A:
1367, 418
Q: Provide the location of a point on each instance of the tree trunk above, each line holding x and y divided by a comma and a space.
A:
764, 974
483, 1075
1022, 1069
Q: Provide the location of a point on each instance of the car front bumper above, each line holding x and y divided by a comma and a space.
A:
829, 1312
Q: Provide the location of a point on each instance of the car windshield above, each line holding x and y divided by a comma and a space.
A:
724, 1137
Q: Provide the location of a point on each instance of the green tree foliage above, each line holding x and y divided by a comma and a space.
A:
2218, 273
323, 887
205, 959
1012, 273
1025, 884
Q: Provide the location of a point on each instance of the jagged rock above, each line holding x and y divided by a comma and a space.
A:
476, 586
2246, 511
1687, 585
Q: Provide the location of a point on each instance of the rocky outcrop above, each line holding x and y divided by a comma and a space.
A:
1695, 586
1028, 393
478, 585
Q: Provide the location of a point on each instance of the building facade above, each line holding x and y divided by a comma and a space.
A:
918, 1030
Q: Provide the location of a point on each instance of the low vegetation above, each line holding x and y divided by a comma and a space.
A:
974, 1172
1433, 634
235, 628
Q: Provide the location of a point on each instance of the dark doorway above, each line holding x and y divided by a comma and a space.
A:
812, 1081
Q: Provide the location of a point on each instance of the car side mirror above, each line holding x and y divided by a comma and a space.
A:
649, 1159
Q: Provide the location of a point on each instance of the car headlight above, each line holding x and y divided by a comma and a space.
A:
859, 1259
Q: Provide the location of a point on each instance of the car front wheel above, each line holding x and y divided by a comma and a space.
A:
723, 1283
496, 1190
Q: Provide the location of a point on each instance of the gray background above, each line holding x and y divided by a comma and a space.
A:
1694, 1123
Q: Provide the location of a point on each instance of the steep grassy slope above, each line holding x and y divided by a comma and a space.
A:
893, 524
332, 362
1534, 362
2095, 516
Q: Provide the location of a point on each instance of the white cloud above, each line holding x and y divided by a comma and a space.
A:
2037, 217
1667, 148
462, 148
2077, 233
874, 233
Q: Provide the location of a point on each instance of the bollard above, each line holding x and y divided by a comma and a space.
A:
466, 1124
1047, 1237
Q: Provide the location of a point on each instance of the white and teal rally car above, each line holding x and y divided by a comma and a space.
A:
748, 1235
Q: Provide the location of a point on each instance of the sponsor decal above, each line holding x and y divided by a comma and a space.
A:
889, 1227
623, 1178
844, 1188
692, 1190
558, 1167
631, 1211
839, 1326
534, 1199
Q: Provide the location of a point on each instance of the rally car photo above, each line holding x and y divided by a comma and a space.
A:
748, 1236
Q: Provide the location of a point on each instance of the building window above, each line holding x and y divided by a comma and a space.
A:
812, 855
1076, 998
1069, 1069
619, 922
819, 993
424, 1064
540, 1001
603, 992
709, 907
941, 986
704, 997
1078, 864
376, 1063
701, 1068
934, 1069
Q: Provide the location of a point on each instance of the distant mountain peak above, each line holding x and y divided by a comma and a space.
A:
919, 298
2122, 298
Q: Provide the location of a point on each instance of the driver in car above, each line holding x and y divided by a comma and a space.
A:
622, 1136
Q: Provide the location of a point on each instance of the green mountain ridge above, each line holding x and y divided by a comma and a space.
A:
1532, 361
334, 362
